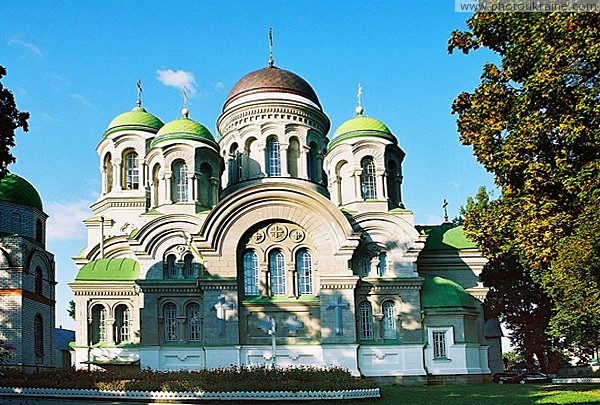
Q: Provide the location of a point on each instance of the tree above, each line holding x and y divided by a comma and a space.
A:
533, 122
513, 296
10, 120
71, 309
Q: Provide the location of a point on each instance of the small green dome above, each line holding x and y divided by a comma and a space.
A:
17, 190
361, 126
109, 270
136, 119
183, 129
441, 294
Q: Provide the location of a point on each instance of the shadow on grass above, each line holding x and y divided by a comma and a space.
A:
490, 394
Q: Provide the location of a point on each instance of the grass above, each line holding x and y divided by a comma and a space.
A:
475, 394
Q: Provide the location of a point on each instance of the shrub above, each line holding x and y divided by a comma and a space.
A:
255, 378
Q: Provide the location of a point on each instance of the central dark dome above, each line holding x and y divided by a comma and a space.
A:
270, 80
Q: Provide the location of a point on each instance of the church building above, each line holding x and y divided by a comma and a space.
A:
27, 277
271, 244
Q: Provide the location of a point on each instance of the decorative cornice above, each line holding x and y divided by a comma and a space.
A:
287, 114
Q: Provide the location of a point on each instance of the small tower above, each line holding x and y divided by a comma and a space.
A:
27, 276
363, 165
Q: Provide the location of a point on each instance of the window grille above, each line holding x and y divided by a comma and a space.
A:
193, 322
171, 268
364, 266
389, 320
132, 172
123, 332
188, 266
170, 321
304, 270
273, 158
368, 179
365, 321
439, 345
251, 278
180, 182
277, 272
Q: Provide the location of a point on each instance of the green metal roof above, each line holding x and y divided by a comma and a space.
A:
17, 190
184, 129
445, 237
361, 126
441, 294
136, 119
109, 270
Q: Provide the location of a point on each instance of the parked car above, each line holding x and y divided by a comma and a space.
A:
522, 378
533, 378
508, 377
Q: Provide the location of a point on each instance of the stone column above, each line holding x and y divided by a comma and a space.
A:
358, 195
191, 184
214, 191
118, 174
168, 188
283, 149
303, 164
380, 182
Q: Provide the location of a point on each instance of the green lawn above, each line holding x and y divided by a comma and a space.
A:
490, 394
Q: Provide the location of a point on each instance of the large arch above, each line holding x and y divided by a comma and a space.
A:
240, 210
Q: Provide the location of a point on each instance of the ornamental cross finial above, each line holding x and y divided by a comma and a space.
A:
271, 62
139, 99
445, 206
359, 108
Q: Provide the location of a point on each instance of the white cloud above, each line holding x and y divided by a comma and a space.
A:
177, 78
82, 99
16, 40
65, 221
219, 86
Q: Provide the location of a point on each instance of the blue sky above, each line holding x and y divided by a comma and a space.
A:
74, 66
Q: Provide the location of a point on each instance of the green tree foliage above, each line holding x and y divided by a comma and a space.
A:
513, 297
71, 309
534, 123
10, 120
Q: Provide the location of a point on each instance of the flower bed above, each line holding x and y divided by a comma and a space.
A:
232, 379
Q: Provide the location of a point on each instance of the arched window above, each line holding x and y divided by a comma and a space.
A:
155, 185
39, 281
39, 231
311, 161
277, 272
98, 324
304, 271
17, 223
233, 164
123, 324
383, 264
364, 266
180, 182
188, 266
392, 181
108, 173
170, 322
365, 321
389, 320
293, 154
38, 335
273, 157
192, 315
171, 269
368, 179
132, 171
206, 187
251, 274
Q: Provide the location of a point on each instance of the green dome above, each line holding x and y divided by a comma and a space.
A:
17, 190
136, 119
441, 294
361, 126
183, 129
109, 270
